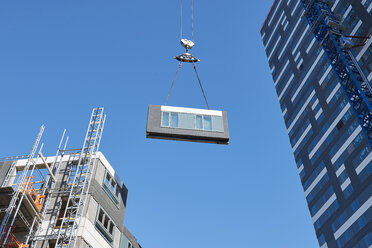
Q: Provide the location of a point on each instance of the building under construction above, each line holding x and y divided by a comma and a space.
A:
72, 199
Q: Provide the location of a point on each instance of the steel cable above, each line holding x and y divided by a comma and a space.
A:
179, 66
197, 75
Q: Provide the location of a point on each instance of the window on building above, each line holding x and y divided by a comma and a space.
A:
111, 188
365, 242
105, 225
348, 191
340, 124
130, 245
367, 4
321, 240
174, 120
342, 177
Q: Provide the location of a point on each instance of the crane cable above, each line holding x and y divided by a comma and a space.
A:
200, 84
181, 22
179, 66
201, 87
193, 63
192, 20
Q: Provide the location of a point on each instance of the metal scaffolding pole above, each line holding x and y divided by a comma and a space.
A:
80, 181
13, 205
48, 188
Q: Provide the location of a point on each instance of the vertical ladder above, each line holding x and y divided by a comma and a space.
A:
327, 29
78, 195
15, 201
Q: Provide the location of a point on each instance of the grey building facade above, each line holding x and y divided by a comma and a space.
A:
102, 224
332, 153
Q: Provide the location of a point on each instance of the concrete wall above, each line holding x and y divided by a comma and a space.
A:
100, 198
4, 168
128, 237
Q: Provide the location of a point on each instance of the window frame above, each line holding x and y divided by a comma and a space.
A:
100, 226
114, 195
203, 116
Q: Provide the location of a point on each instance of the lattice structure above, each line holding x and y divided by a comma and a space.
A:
328, 30
80, 178
16, 201
50, 187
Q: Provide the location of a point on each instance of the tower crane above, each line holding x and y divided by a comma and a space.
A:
328, 29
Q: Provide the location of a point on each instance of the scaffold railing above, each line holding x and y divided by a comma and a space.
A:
13, 158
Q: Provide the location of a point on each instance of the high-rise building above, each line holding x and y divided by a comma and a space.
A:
328, 123
73, 199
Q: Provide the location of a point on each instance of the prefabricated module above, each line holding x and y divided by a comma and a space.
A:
175, 123
187, 124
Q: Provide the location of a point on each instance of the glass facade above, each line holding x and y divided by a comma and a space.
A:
332, 152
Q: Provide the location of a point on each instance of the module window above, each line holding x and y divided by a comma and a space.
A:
192, 121
105, 225
111, 187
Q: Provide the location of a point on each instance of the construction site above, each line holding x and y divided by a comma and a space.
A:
71, 199
192, 183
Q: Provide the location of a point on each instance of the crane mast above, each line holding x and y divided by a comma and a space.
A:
327, 29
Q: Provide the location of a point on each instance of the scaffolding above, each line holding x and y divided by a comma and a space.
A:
29, 188
30, 194
328, 29
18, 196
79, 181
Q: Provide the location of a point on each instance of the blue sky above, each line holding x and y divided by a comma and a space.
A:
59, 59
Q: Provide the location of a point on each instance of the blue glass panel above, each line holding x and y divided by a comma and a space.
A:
199, 122
342, 177
348, 191
165, 119
186, 121
366, 172
324, 217
207, 122
318, 188
321, 240
365, 242
174, 120
323, 199
217, 123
